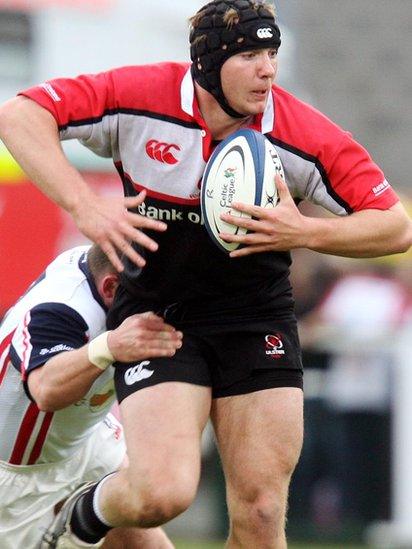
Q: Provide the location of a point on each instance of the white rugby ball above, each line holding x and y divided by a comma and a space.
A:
241, 169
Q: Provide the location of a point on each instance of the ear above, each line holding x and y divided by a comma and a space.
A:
107, 287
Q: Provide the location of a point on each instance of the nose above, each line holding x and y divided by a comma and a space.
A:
266, 66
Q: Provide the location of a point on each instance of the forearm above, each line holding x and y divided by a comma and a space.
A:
368, 233
31, 135
67, 377
63, 380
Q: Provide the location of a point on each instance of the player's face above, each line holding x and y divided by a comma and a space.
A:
247, 78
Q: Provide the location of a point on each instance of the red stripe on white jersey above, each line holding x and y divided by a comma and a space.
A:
4, 355
24, 434
38, 445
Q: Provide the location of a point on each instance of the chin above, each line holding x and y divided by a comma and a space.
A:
256, 108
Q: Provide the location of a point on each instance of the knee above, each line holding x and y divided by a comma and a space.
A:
164, 503
155, 502
263, 515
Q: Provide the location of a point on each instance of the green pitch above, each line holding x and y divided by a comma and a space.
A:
220, 545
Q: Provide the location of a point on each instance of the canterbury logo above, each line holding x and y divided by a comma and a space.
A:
265, 33
163, 152
137, 373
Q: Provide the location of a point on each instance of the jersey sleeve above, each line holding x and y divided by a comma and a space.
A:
355, 179
83, 108
323, 163
45, 331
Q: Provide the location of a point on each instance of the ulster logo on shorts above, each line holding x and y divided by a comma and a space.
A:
137, 373
274, 345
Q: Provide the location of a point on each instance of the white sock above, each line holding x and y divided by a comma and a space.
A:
96, 506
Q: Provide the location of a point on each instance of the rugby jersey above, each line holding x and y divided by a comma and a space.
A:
146, 118
60, 312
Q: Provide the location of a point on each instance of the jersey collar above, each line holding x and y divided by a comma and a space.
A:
84, 267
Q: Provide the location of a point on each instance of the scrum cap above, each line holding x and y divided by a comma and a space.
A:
213, 40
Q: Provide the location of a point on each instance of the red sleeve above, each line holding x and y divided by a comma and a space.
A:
326, 165
357, 179
80, 99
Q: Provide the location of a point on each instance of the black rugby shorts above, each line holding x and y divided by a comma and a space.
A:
243, 359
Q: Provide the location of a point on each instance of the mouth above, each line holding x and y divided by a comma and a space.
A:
259, 94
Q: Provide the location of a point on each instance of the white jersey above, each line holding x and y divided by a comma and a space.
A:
61, 311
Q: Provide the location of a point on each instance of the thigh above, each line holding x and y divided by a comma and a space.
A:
163, 426
259, 436
105, 451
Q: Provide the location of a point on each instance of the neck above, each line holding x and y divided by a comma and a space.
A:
217, 120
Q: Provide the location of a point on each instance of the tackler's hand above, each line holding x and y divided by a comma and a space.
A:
143, 336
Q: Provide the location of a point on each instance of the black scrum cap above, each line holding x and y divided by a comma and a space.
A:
213, 41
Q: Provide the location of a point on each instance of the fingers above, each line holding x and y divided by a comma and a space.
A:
138, 220
144, 336
250, 209
111, 253
128, 232
154, 349
257, 211
251, 225
282, 188
143, 222
249, 239
249, 250
127, 249
150, 344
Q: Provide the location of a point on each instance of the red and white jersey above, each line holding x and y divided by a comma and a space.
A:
60, 311
147, 119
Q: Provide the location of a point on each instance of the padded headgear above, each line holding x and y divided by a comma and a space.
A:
213, 41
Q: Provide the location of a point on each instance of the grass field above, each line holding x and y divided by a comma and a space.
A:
220, 545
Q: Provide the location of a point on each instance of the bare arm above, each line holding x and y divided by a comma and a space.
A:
68, 376
367, 233
30, 133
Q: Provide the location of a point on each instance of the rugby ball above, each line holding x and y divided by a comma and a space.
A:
241, 169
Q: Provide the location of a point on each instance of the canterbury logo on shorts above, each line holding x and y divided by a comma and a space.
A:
137, 373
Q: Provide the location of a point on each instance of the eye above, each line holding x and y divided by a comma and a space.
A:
272, 54
249, 55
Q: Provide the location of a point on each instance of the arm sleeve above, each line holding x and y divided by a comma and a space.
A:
356, 179
83, 107
46, 330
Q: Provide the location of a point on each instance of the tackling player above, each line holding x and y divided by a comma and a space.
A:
56, 390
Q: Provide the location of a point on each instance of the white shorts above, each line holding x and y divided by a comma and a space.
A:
29, 493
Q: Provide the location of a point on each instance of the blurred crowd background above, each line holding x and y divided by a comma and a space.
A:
352, 60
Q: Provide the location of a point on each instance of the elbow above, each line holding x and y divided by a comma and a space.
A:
9, 107
48, 401
9, 117
45, 405
4, 120
402, 229
405, 241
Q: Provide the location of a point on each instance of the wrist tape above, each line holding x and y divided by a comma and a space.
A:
99, 353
